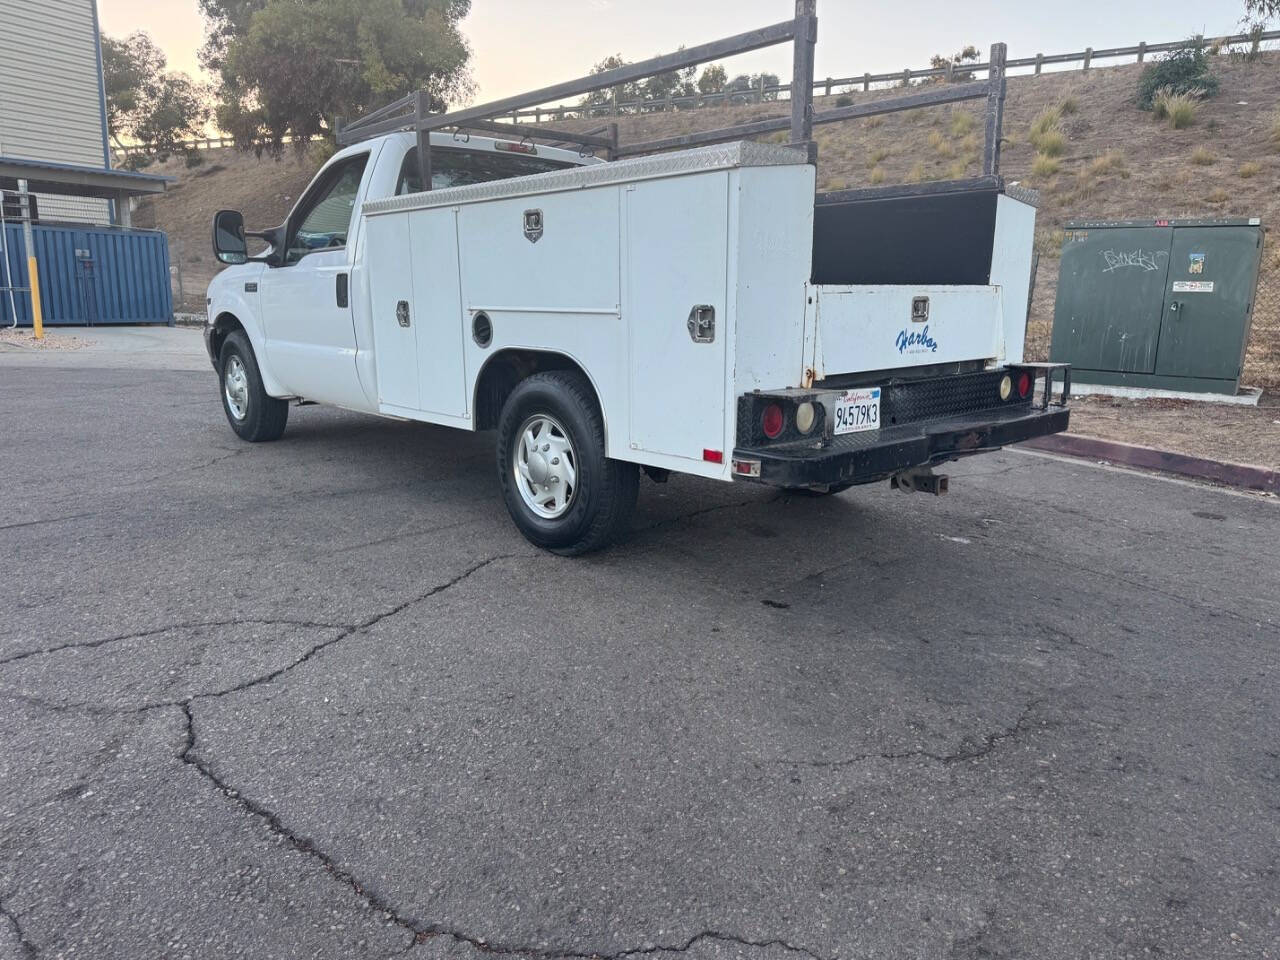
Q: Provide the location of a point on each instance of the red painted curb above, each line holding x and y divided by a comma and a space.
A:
1149, 458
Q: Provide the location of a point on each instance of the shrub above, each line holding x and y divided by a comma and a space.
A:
876, 121
877, 175
1177, 108
957, 170
1045, 166
1182, 71
1068, 106
1248, 170
1046, 134
1218, 196
941, 144
1203, 157
916, 175
877, 156
844, 100
962, 123
1110, 162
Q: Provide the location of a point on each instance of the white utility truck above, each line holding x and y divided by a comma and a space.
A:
699, 311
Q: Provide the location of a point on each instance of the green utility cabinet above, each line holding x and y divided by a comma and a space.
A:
1157, 303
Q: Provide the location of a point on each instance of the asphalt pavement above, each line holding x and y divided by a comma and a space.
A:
318, 698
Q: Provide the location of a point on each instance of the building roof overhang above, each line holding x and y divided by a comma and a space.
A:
65, 179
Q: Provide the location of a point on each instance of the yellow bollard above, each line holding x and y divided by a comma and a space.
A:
33, 280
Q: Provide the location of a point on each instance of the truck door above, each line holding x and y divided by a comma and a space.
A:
306, 301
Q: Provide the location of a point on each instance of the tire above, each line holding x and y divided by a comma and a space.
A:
570, 518
253, 415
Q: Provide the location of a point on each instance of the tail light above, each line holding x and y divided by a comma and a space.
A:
772, 421
1025, 384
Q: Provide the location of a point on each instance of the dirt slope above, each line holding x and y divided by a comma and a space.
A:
1150, 172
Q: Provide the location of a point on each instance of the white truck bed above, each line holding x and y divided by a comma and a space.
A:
625, 252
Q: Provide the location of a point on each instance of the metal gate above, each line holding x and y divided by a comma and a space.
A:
1165, 304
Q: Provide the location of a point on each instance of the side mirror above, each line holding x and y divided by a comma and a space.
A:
229, 244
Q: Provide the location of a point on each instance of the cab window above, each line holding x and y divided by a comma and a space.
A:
323, 219
455, 168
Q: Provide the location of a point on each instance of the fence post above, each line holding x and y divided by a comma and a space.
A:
866, 82
1142, 51
802, 72
949, 76
906, 77
615, 101
995, 110
182, 288
828, 86
1039, 62
1088, 57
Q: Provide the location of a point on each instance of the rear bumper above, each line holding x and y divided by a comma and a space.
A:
877, 455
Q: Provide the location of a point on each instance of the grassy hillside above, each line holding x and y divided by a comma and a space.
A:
1116, 161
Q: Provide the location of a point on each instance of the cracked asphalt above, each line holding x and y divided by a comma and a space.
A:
318, 698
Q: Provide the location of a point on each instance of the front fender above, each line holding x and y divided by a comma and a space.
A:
229, 300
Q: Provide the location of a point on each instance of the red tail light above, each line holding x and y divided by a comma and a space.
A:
1024, 385
772, 421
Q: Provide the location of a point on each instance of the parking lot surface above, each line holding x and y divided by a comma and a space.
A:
318, 698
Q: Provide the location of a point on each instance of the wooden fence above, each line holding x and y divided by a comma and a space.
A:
830, 85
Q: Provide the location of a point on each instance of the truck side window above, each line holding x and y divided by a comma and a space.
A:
324, 217
454, 168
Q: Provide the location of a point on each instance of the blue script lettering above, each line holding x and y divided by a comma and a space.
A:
921, 339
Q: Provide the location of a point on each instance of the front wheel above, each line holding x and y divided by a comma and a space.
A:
561, 490
253, 414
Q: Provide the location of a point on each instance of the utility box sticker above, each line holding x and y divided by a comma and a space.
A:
1193, 286
1197, 264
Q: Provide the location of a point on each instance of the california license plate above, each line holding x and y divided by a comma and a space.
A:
858, 410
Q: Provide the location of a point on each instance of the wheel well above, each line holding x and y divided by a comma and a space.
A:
223, 326
505, 369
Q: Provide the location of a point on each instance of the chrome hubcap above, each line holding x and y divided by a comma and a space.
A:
235, 387
545, 467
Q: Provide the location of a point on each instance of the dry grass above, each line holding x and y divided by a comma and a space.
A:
873, 123
877, 176
962, 123
941, 145
1217, 195
1111, 162
1044, 166
916, 174
876, 157
1248, 170
1179, 109
1203, 157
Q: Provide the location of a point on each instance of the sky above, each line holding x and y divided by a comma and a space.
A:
520, 45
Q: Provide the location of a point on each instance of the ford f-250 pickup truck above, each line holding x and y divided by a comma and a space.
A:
700, 311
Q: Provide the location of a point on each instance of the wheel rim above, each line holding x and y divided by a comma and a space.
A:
545, 467
235, 387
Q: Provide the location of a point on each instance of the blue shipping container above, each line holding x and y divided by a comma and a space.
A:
90, 275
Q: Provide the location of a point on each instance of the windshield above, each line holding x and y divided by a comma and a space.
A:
455, 168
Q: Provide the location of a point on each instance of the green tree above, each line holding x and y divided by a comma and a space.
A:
624, 92
714, 79
969, 54
153, 108
288, 67
1258, 13
747, 85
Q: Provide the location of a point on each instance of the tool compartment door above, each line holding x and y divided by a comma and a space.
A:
676, 259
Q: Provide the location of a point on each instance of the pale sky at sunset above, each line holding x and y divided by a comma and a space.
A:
521, 44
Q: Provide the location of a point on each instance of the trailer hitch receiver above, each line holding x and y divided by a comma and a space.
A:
921, 480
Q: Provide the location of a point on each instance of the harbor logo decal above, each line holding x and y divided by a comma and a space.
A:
916, 341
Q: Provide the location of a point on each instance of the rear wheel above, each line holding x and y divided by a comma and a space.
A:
253, 414
561, 490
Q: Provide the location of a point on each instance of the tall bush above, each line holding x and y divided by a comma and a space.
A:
1185, 70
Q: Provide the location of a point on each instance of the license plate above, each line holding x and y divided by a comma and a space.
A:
858, 410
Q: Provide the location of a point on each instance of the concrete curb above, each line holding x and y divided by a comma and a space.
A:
1148, 458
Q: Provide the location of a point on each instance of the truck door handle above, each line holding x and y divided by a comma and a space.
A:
341, 291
